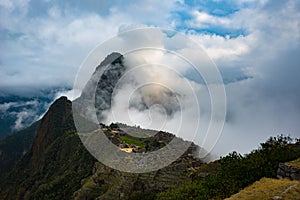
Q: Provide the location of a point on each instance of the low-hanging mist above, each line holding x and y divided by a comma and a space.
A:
152, 88
265, 104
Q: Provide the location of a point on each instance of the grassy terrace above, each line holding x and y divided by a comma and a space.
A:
267, 188
131, 141
294, 163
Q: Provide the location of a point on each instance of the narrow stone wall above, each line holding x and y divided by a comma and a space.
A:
286, 171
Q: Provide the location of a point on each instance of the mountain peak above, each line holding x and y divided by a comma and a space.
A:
57, 119
111, 58
100, 87
60, 101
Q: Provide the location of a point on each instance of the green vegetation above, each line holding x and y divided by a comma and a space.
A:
13, 146
268, 188
237, 171
132, 141
58, 175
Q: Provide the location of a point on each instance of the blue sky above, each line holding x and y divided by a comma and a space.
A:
43, 42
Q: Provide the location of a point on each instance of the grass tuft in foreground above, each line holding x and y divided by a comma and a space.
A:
267, 188
294, 163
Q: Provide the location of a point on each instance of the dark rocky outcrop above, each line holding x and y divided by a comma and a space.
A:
289, 172
98, 91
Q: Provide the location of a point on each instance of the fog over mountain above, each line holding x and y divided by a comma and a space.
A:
255, 109
255, 44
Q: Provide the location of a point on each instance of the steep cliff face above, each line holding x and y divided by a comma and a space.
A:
54, 123
98, 91
56, 163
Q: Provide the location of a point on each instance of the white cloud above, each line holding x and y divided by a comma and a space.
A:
226, 48
54, 46
21, 117
267, 104
23, 112
7, 4
54, 12
5, 106
53, 49
70, 94
204, 20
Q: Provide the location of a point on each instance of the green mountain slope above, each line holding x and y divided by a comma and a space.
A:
15, 145
56, 163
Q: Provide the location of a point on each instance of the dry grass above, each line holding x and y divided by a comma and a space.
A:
268, 188
294, 163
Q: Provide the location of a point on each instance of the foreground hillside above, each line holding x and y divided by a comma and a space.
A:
237, 172
286, 187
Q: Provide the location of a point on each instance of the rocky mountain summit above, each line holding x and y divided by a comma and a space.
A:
98, 90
